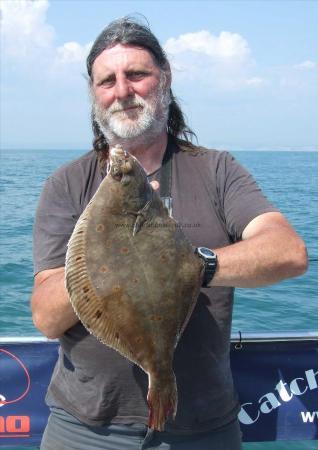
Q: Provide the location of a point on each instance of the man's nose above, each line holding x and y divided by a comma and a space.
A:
123, 89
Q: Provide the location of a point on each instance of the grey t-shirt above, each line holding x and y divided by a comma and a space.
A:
214, 198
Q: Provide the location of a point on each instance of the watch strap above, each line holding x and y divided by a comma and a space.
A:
210, 264
209, 271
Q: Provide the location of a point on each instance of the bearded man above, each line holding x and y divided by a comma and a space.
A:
97, 397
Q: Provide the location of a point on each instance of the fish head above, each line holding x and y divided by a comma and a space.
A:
129, 176
120, 164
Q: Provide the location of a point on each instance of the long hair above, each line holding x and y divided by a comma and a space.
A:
129, 31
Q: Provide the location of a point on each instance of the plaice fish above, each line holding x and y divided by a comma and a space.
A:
132, 277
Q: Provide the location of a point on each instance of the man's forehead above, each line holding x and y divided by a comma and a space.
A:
120, 56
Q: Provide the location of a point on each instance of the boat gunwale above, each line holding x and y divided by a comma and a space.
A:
236, 337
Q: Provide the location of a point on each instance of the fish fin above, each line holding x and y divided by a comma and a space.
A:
162, 401
94, 316
141, 217
88, 306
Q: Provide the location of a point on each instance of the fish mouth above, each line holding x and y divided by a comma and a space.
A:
117, 176
120, 163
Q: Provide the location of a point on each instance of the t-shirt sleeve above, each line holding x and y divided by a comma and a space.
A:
242, 198
55, 219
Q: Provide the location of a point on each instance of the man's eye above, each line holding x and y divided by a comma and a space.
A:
108, 82
136, 75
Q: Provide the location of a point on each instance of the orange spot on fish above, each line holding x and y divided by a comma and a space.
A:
156, 318
116, 289
100, 227
104, 269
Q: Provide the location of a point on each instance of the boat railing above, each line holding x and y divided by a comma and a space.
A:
236, 336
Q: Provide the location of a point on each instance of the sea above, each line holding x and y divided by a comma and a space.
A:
288, 179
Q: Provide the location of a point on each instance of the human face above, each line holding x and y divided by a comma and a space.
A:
131, 94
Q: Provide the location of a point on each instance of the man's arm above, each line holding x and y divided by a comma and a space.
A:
52, 311
269, 252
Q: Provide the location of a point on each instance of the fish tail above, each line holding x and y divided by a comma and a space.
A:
162, 401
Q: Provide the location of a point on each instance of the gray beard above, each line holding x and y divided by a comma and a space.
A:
142, 131
144, 138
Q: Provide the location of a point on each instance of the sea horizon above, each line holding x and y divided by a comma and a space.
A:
310, 149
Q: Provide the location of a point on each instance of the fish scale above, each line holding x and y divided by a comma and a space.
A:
132, 277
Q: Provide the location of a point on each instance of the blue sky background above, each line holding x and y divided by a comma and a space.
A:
245, 72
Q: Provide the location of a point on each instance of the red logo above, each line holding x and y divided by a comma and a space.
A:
13, 425
27, 376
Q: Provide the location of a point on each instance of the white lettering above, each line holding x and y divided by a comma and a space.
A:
283, 393
244, 417
311, 378
308, 416
2, 400
270, 403
294, 387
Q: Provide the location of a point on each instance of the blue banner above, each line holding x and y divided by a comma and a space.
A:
25, 371
277, 384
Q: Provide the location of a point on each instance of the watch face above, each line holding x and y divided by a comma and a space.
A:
206, 252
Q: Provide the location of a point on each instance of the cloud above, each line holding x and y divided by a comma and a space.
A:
24, 27
306, 65
223, 61
72, 52
255, 81
28, 38
300, 77
225, 46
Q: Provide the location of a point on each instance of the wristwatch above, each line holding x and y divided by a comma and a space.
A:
211, 262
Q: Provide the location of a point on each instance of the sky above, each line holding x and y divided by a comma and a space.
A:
244, 72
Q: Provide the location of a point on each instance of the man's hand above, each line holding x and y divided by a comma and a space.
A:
155, 185
52, 311
269, 252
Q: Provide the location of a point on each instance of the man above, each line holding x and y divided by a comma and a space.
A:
97, 397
